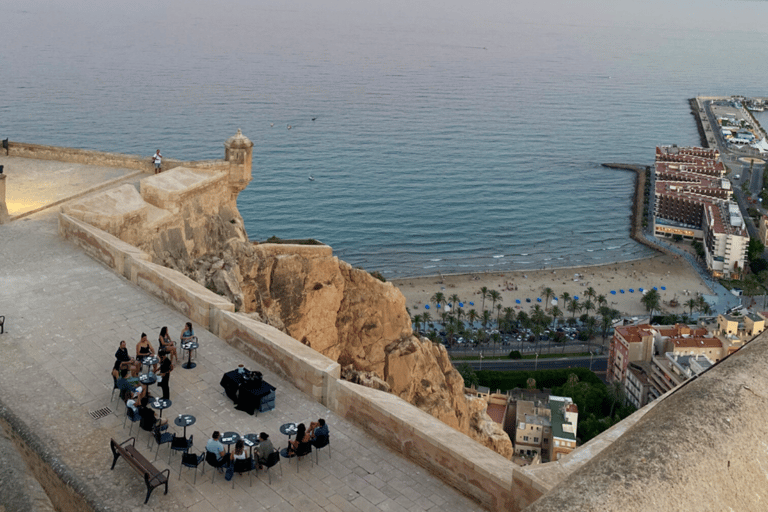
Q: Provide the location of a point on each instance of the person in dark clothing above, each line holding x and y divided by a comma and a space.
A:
165, 373
148, 419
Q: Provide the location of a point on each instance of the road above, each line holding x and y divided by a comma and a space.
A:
599, 364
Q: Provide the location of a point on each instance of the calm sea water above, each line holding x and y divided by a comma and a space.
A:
447, 136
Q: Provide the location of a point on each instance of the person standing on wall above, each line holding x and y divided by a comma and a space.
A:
166, 367
157, 159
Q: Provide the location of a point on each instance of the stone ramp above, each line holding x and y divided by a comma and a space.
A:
65, 315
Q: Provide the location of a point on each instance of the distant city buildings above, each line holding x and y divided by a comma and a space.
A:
692, 199
650, 360
540, 425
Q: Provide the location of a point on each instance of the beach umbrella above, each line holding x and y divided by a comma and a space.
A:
631, 290
655, 288
517, 301
471, 303
575, 297
527, 300
538, 299
461, 304
553, 302
426, 306
622, 291
663, 287
613, 292
640, 290
438, 306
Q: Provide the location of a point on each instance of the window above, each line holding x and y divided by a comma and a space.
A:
557, 443
535, 439
525, 438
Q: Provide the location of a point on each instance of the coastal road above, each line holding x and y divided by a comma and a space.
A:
599, 364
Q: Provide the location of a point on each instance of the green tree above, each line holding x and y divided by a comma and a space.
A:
574, 307
469, 375
755, 249
607, 316
652, 302
495, 297
547, 294
454, 300
486, 318
483, 294
438, 299
691, 303
426, 318
498, 316
472, 317
417, 320
556, 313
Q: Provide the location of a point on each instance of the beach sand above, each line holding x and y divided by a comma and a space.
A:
680, 281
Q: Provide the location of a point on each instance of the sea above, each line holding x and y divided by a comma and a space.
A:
415, 138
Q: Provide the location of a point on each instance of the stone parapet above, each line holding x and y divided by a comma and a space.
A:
3, 207
172, 190
100, 245
177, 290
310, 371
302, 250
460, 461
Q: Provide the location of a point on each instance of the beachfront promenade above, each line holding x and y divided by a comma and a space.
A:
65, 315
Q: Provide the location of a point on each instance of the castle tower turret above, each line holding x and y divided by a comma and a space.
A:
239, 152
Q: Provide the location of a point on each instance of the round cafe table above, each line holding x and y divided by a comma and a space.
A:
229, 438
150, 361
184, 420
250, 441
189, 346
288, 429
160, 404
148, 378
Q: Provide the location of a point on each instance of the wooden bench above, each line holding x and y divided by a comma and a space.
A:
152, 477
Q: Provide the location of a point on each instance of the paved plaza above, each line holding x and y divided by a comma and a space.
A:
65, 316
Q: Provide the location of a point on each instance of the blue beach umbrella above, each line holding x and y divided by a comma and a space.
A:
631, 290
622, 291
613, 292
663, 287
640, 290
575, 297
517, 301
538, 299
655, 288
438, 306
471, 303
426, 306
527, 300
449, 305
461, 304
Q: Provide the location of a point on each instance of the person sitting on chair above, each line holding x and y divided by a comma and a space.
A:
264, 449
239, 453
123, 385
148, 419
301, 444
214, 446
144, 349
318, 429
168, 344
188, 333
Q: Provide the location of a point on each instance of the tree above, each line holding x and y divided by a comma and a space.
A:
495, 297
588, 306
472, 317
566, 297
455, 305
450, 332
483, 294
426, 318
509, 317
417, 320
691, 303
703, 306
498, 316
601, 301
486, 318
469, 375
438, 299
556, 313
574, 307
590, 293
652, 302
755, 249
547, 294
607, 316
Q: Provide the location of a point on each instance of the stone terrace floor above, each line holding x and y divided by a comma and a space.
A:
65, 316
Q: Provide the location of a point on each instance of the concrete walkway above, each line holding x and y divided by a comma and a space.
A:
65, 316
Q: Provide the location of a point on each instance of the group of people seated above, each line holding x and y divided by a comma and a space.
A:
317, 434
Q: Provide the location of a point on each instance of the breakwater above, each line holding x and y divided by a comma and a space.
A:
642, 181
696, 112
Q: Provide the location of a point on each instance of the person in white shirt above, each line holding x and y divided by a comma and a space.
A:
157, 159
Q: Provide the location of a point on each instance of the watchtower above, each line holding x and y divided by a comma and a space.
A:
239, 153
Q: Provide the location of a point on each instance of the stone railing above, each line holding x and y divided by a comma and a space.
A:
463, 463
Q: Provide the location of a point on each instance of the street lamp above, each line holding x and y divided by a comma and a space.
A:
481, 359
536, 367
590, 360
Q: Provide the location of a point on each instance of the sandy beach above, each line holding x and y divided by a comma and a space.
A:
678, 279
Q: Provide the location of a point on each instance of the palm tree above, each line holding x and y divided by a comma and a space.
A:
417, 320
703, 305
426, 318
454, 299
450, 332
588, 306
556, 313
495, 297
652, 302
691, 303
590, 293
483, 294
472, 317
601, 301
498, 315
607, 316
574, 307
438, 299
486, 318
547, 294
509, 317
566, 297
